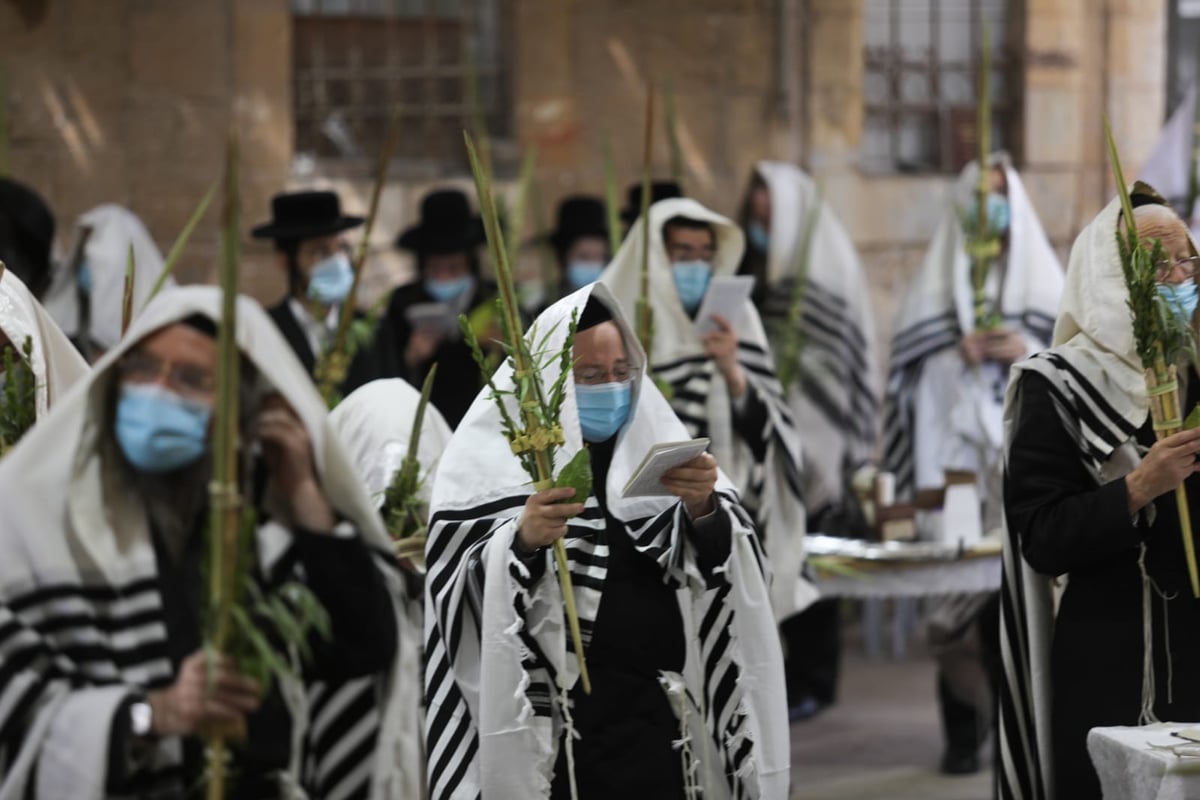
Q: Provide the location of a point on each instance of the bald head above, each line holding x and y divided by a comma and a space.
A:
1159, 222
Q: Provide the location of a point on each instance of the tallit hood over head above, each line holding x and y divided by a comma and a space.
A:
375, 422
55, 363
1033, 277
836, 398
494, 719
674, 332
114, 230
53, 480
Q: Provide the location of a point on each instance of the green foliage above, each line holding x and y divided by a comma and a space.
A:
537, 407
1193, 419
577, 474
18, 402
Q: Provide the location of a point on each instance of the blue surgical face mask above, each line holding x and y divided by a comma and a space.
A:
158, 430
603, 408
584, 273
331, 279
448, 291
691, 279
997, 214
1181, 298
84, 278
758, 236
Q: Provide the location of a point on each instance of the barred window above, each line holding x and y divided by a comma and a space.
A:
356, 60
921, 82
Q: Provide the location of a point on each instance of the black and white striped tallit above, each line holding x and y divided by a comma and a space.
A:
81, 618
936, 313
770, 487
374, 423
499, 654
1099, 393
835, 402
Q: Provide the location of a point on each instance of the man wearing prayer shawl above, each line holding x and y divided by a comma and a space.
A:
943, 409
104, 677
1089, 497
375, 423
53, 362
835, 398
722, 382
671, 593
87, 296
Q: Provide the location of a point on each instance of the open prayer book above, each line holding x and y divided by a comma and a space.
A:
660, 459
727, 296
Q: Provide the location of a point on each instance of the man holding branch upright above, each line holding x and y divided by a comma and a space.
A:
959, 331
671, 593
1090, 494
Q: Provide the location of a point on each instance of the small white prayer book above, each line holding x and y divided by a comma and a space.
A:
660, 459
727, 296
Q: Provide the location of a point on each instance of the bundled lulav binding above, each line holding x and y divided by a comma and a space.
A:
534, 431
258, 632
18, 406
1160, 337
406, 510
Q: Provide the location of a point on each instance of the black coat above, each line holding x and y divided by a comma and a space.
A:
374, 361
458, 376
1066, 524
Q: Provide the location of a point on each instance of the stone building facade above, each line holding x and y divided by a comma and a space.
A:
130, 101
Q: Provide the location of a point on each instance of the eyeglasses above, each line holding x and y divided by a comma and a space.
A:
1184, 267
620, 373
184, 378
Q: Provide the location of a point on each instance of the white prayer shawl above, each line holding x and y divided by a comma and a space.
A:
55, 363
771, 489
836, 401
80, 614
928, 384
114, 230
1170, 162
1100, 395
499, 656
374, 423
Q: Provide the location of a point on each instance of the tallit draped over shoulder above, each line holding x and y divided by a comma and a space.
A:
500, 657
936, 313
82, 623
836, 400
769, 481
55, 363
114, 231
1099, 394
375, 424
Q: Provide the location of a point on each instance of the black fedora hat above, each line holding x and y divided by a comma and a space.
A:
447, 225
578, 216
659, 190
305, 215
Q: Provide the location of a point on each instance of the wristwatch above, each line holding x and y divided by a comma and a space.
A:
141, 719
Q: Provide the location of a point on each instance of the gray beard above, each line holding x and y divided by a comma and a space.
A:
174, 502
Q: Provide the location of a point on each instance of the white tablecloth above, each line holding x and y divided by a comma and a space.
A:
900, 579
1144, 763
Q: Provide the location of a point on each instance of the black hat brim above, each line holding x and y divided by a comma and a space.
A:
439, 239
276, 231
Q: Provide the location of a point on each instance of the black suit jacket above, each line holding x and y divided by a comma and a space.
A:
370, 363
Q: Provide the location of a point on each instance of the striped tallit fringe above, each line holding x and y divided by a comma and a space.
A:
455, 546
1019, 776
341, 740
1097, 431
911, 347
60, 637
833, 339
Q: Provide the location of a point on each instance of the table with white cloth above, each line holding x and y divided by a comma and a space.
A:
1146, 763
901, 572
